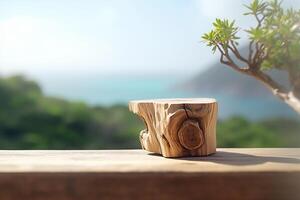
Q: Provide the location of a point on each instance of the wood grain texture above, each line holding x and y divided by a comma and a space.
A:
178, 127
266, 174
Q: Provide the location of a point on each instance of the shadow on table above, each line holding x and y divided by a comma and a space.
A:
231, 158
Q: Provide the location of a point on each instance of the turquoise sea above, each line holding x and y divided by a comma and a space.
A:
109, 90
95, 89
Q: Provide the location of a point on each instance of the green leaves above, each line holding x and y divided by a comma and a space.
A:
276, 37
224, 31
280, 34
210, 38
254, 33
256, 7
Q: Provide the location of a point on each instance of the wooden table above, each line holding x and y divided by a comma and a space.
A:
135, 174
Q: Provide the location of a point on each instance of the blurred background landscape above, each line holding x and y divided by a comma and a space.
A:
69, 68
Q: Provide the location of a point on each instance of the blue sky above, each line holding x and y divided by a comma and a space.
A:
110, 36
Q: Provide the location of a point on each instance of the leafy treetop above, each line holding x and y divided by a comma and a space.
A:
274, 42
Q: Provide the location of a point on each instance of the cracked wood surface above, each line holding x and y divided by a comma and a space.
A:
178, 127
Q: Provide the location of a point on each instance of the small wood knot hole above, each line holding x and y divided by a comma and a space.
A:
191, 135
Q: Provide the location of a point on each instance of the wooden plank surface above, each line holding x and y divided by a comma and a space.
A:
225, 160
136, 174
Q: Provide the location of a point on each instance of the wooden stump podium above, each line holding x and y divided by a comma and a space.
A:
178, 127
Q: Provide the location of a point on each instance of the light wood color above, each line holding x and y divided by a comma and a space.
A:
178, 127
227, 160
229, 174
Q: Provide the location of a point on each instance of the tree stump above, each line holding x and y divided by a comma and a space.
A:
178, 127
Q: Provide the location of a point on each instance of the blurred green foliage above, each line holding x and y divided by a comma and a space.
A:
31, 120
239, 132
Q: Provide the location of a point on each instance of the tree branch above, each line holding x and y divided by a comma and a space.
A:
254, 61
259, 20
258, 56
229, 62
250, 51
236, 52
275, 87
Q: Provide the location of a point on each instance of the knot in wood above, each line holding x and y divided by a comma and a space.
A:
191, 135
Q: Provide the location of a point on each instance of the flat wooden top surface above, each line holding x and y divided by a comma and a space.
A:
176, 101
225, 160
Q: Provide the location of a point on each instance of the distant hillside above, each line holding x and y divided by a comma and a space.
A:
238, 93
222, 79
